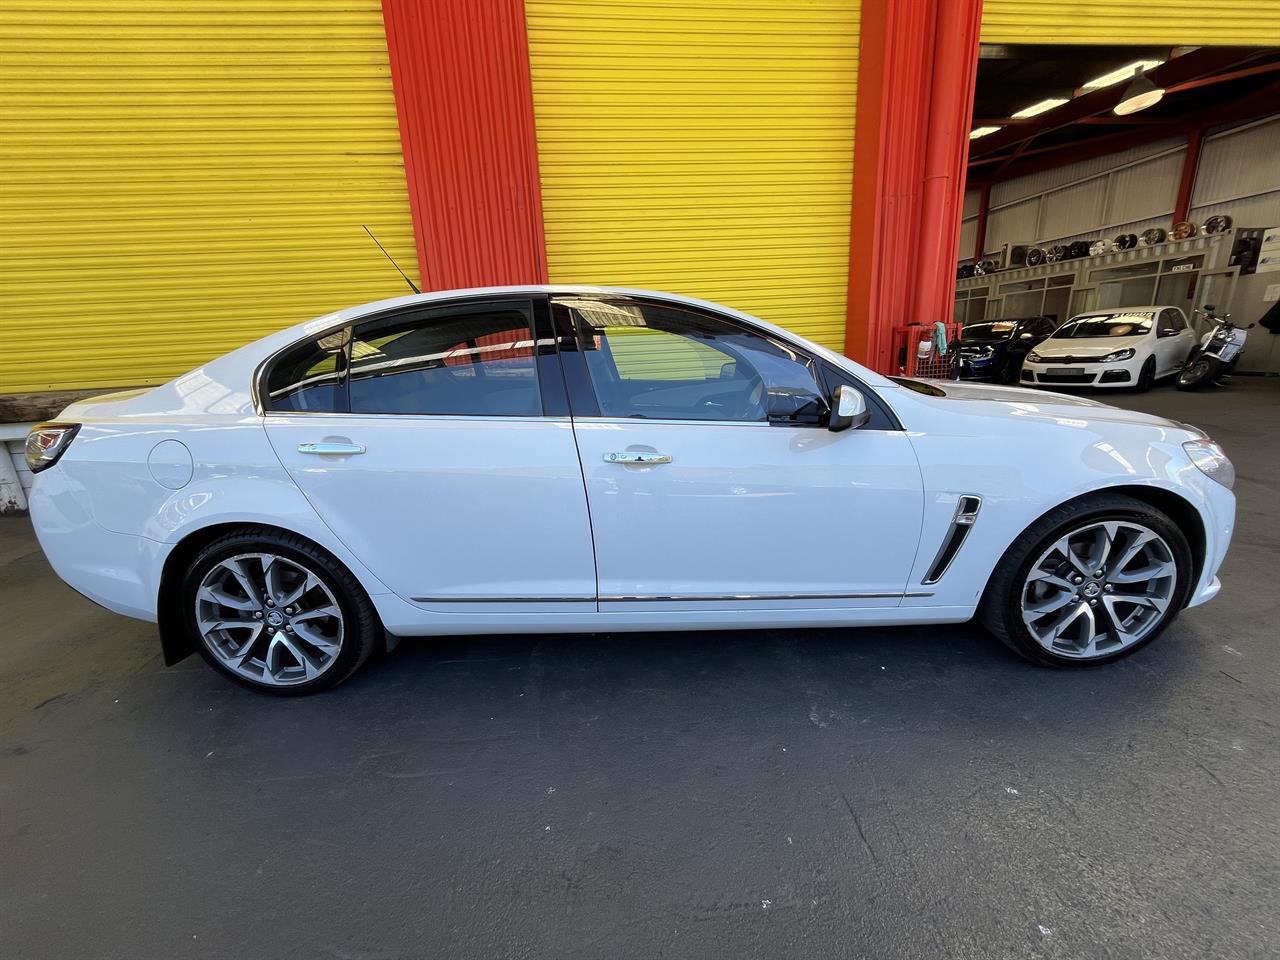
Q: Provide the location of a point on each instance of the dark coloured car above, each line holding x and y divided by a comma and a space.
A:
995, 349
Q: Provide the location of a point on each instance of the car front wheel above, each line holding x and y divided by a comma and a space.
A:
1090, 582
277, 613
1148, 375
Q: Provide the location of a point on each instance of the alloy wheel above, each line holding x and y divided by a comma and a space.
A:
269, 618
1098, 589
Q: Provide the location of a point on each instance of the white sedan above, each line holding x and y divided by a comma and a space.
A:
1130, 347
592, 459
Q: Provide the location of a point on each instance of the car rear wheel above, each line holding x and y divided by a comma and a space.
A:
1090, 582
277, 613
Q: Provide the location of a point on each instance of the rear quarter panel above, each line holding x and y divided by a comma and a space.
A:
235, 477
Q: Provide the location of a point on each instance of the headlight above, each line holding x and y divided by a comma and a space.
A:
1033, 357
47, 442
1125, 354
1209, 457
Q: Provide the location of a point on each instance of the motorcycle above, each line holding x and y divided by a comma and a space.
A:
1216, 355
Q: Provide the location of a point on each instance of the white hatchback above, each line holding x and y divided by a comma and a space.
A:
1129, 347
530, 459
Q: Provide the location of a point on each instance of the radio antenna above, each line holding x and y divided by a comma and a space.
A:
412, 286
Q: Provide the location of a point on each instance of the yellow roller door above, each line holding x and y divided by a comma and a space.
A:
703, 147
1173, 22
179, 178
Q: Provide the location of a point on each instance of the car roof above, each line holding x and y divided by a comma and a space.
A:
223, 385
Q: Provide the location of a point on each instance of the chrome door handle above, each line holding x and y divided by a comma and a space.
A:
331, 448
633, 456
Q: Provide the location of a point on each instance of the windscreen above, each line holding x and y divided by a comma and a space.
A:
1120, 324
987, 332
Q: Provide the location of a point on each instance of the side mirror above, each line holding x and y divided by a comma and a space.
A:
848, 409
1027, 336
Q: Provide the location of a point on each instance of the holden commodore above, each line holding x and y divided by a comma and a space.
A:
580, 459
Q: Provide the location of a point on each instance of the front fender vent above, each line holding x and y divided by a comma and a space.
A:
965, 517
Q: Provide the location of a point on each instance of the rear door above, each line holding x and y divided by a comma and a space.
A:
436, 444
712, 479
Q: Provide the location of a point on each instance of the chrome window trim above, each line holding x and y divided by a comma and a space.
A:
260, 371
678, 598
271, 415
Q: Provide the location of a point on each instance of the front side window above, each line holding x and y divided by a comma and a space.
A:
472, 361
654, 361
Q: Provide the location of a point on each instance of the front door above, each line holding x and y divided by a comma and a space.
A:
712, 480
423, 439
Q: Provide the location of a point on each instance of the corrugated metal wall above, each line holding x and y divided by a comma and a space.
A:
1127, 192
700, 146
461, 72
181, 178
1175, 22
1239, 163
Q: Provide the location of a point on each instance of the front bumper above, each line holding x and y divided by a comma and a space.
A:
1124, 373
1217, 509
976, 367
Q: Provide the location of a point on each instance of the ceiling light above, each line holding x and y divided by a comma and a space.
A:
977, 132
1141, 93
1038, 108
1120, 73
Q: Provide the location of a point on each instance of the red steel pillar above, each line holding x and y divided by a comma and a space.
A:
984, 212
1190, 164
917, 65
460, 70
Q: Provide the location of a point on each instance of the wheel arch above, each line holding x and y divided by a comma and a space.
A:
175, 644
1177, 507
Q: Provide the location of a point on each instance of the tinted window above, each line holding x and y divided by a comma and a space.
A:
660, 362
1042, 327
1106, 325
988, 332
473, 361
309, 377
1171, 320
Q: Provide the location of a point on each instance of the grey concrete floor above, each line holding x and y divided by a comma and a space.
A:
876, 793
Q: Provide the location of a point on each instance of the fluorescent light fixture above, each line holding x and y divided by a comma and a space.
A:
1141, 93
1120, 73
977, 132
1038, 108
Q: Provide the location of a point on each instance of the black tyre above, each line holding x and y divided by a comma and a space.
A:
277, 613
1197, 375
1147, 376
1011, 370
1089, 582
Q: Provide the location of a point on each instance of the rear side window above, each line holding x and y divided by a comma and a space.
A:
309, 378
476, 360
